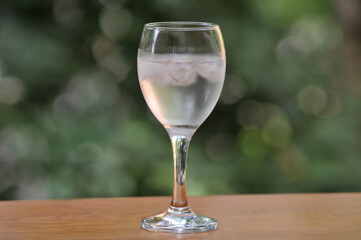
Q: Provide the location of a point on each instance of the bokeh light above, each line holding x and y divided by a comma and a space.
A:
115, 21
312, 100
11, 90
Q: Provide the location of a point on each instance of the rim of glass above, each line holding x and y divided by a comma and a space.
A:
181, 26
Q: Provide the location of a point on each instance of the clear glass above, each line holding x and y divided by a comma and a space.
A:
181, 68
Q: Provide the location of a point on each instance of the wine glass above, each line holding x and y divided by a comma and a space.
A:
181, 68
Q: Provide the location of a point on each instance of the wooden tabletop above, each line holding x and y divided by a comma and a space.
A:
248, 217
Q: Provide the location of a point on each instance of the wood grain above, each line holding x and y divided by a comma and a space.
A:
282, 216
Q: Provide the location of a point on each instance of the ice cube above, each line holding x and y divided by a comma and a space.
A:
181, 73
212, 71
152, 71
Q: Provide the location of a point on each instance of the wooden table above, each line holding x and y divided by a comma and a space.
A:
281, 216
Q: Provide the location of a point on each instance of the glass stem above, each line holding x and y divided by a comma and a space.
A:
180, 146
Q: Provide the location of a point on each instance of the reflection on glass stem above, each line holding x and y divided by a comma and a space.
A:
180, 146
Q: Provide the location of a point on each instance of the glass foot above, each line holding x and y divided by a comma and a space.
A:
179, 222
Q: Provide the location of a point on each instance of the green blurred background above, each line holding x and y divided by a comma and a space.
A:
73, 121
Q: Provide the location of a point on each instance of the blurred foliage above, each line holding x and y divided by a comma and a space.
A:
73, 122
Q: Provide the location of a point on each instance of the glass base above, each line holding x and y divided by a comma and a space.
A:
179, 222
